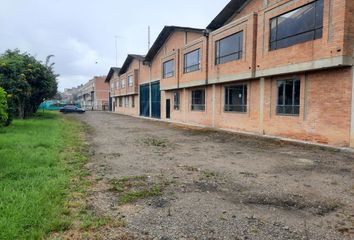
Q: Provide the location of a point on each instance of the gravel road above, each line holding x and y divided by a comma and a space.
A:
194, 183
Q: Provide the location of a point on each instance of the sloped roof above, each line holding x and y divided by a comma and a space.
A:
111, 72
164, 35
128, 61
226, 14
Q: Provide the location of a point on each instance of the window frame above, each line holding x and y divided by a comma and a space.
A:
120, 101
123, 83
130, 81
176, 104
245, 101
293, 106
239, 53
271, 48
202, 105
185, 67
172, 73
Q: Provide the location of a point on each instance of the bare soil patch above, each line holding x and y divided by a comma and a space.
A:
175, 182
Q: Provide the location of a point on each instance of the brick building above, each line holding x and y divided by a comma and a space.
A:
94, 94
279, 68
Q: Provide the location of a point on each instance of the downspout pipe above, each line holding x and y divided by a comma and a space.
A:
206, 33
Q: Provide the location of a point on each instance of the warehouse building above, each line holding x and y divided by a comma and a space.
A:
278, 68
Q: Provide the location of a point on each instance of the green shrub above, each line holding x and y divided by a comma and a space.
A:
3, 108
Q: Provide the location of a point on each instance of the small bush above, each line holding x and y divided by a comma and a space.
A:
3, 108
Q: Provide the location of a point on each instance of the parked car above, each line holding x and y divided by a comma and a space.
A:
71, 109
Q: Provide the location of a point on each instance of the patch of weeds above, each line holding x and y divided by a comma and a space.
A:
190, 168
91, 222
77, 216
209, 174
126, 183
249, 174
132, 189
135, 195
155, 142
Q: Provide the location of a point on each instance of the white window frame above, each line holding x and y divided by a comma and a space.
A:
123, 83
130, 80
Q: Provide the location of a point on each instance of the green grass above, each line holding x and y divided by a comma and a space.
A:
135, 195
132, 189
39, 158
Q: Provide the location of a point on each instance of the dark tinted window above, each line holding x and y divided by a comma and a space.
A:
229, 48
71, 107
288, 97
300, 25
236, 98
169, 69
191, 61
198, 100
176, 100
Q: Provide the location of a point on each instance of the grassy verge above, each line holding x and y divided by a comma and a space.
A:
41, 172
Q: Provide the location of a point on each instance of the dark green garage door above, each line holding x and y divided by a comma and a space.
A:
144, 100
155, 100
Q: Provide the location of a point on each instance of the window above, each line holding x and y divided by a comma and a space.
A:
117, 84
168, 69
130, 80
120, 102
192, 61
126, 101
300, 25
288, 97
123, 84
229, 48
198, 100
112, 86
176, 96
236, 98
133, 101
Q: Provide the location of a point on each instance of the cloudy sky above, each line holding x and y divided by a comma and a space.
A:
81, 33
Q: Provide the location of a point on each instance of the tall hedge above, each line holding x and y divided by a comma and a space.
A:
3, 108
28, 81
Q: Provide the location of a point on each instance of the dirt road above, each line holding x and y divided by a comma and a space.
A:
175, 182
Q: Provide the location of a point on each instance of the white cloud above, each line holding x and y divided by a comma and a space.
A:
70, 81
80, 33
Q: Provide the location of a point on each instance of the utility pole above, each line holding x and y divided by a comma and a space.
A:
116, 40
148, 37
116, 44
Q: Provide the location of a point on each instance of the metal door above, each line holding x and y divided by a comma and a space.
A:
144, 100
155, 100
168, 108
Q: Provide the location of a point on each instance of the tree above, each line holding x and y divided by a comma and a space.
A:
27, 80
3, 108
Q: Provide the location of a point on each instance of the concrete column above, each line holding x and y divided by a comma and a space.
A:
352, 113
186, 105
305, 96
261, 105
214, 106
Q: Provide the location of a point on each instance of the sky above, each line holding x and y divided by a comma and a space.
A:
81, 33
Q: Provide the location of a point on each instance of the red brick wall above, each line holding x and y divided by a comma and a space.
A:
245, 65
101, 88
328, 103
